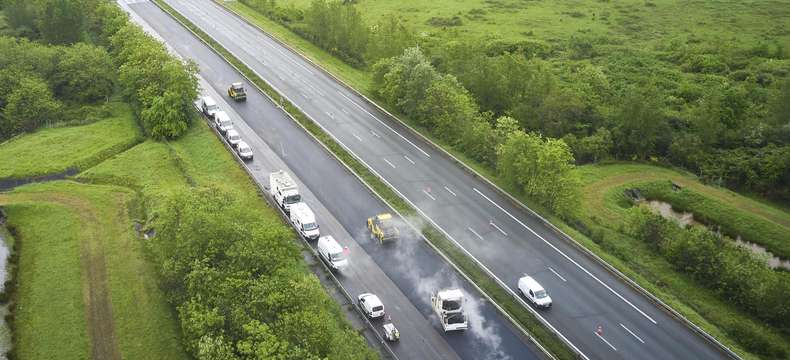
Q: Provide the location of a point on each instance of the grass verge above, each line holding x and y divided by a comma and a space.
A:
55, 150
467, 265
49, 320
65, 229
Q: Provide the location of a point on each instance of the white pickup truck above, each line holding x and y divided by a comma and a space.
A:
449, 306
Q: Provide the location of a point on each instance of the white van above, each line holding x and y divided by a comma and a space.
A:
330, 251
209, 106
303, 220
535, 293
222, 121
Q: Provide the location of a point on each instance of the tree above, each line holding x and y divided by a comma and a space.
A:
387, 39
447, 108
85, 73
639, 124
62, 21
404, 80
29, 106
542, 168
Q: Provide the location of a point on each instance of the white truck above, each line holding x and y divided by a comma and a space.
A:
449, 306
283, 190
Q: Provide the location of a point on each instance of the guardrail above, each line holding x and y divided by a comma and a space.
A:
564, 236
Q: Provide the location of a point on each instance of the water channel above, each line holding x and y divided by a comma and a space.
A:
684, 219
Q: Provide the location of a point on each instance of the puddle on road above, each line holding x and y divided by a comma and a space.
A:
684, 219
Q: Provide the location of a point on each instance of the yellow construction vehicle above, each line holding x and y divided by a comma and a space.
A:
382, 227
236, 92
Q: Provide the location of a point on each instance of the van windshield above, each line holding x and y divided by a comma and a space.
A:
225, 123
540, 294
337, 256
212, 107
293, 199
309, 226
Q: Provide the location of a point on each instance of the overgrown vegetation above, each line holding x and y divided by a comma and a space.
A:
685, 99
83, 50
729, 220
240, 287
730, 270
55, 150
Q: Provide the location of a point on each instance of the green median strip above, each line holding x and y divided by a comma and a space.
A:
553, 344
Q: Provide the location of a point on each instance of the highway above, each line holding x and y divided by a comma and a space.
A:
403, 274
506, 239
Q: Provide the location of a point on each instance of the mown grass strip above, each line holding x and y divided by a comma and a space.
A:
521, 315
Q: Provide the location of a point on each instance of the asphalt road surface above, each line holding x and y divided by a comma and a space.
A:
509, 241
404, 273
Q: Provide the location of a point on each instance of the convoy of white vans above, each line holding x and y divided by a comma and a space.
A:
448, 304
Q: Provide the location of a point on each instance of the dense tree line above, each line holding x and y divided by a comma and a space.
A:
541, 167
340, 28
40, 83
719, 112
240, 286
731, 271
68, 65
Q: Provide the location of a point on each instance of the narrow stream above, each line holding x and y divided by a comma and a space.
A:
684, 219
5, 331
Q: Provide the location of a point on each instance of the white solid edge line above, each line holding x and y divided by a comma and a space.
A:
382, 123
604, 340
632, 333
558, 275
567, 257
450, 191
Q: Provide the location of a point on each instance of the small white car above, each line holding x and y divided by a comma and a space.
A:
208, 106
222, 121
535, 293
233, 137
244, 151
371, 305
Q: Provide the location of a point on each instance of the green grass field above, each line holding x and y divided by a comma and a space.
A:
631, 20
63, 223
54, 150
50, 314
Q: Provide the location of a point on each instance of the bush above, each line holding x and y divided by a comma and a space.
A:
731, 221
239, 285
717, 263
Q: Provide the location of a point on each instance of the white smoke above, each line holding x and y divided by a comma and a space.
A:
404, 252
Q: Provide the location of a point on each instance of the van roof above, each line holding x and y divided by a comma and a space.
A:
531, 283
452, 294
222, 116
330, 244
303, 212
208, 100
